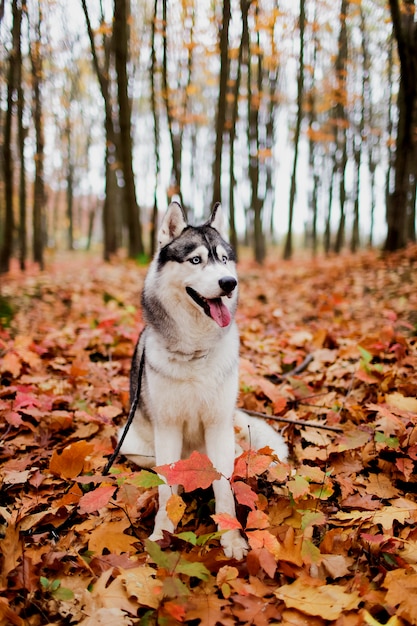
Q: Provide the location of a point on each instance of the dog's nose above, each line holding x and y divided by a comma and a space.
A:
227, 283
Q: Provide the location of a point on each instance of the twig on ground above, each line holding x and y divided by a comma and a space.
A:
290, 420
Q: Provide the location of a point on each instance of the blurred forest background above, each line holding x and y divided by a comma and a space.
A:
298, 115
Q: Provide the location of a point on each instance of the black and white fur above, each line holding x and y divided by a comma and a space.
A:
190, 376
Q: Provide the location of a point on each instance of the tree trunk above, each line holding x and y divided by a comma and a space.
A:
254, 101
38, 186
111, 222
300, 95
152, 72
232, 137
131, 211
221, 102
327, 229
6, 250
399, 203
341, 121
175, 138
313, 147
21, 131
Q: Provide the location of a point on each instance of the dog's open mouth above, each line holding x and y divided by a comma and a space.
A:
213, 307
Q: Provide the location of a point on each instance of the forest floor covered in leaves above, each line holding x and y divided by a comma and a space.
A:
332, 535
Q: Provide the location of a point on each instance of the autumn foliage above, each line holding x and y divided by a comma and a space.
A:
332, 535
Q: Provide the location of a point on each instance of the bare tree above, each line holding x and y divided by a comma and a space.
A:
6, 250
300, 96
401, 201
341, 121
131, 207
221, 101
38, 185
111, 220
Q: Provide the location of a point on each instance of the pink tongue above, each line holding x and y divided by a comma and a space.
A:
219, 312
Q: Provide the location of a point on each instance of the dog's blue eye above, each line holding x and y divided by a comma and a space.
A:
195, 260
224, 259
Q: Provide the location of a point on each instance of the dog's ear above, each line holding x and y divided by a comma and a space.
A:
172, 225
217, 221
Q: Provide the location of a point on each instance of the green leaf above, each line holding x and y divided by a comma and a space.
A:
390, 442
310, 552
145, 479
202, 540
158, 556
63, 594
366, 356
188, 536
44, 582
198, 570
174, 562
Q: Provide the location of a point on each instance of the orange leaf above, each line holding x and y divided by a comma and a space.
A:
11, 363
251, 464
72, 461
263, 539
226, 522
197, 472
177, 611
257, 520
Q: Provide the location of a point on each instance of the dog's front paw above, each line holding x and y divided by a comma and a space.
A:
156, 535
162, 522
234, 545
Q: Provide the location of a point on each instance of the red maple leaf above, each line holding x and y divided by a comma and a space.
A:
197, 472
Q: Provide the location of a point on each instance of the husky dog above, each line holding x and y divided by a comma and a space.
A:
190, 368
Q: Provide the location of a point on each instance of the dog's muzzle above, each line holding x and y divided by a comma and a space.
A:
215, 307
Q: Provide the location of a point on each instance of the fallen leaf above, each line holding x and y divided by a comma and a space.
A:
72, 461
401, 586
175, 508
399, 401
141, 583
327, 601
111, 536
95, 500
197, 472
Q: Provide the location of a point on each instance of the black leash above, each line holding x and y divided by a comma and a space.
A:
130, 418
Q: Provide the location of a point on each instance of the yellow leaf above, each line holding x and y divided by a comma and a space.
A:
399, 401
328, 601
140, 583
175, 508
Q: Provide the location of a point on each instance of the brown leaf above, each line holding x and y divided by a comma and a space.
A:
111, 536
401, 588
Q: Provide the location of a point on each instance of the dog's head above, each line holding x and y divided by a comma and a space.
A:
200, 262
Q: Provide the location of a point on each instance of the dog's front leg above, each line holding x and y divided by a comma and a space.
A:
168, 448
220, 445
